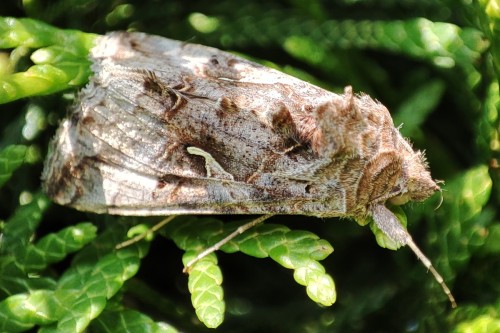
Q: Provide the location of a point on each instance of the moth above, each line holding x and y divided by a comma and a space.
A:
167, 128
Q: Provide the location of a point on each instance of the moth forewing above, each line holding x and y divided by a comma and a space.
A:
166, 128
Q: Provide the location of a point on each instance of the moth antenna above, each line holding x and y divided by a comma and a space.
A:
139, 237
441, 199
440, 182
225, 240
189, 40
427, 263
391, 227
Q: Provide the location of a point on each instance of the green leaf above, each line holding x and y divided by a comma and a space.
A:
81, 294
56, 246
43, 79
443, 44
90, 286
207, 295
252, 245
491, 26
36, 34
456, 228
481, 324
181, 231
19, 228
477, 319
128, 321
492, 241
293, 249
298, 250
415, 109
23, 311
320, 286
469, 192
205, 276
11, 158
60, 61
27, 261
488, 127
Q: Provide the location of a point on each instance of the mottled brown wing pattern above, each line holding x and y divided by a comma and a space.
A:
166, 127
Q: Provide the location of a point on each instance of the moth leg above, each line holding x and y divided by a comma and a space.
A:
392, 228
137, 238
224, 241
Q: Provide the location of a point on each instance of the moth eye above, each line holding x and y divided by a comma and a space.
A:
396, 189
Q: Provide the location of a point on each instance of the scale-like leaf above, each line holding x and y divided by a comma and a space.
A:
91, 289
207, 295
56, 246
128, 321
19, 227
297, 250
59, 63
11, 158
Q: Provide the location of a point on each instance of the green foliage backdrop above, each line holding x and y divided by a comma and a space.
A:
434, 63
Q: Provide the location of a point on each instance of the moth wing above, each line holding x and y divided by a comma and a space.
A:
162, 128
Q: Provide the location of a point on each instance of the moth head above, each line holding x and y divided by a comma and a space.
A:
417, 183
